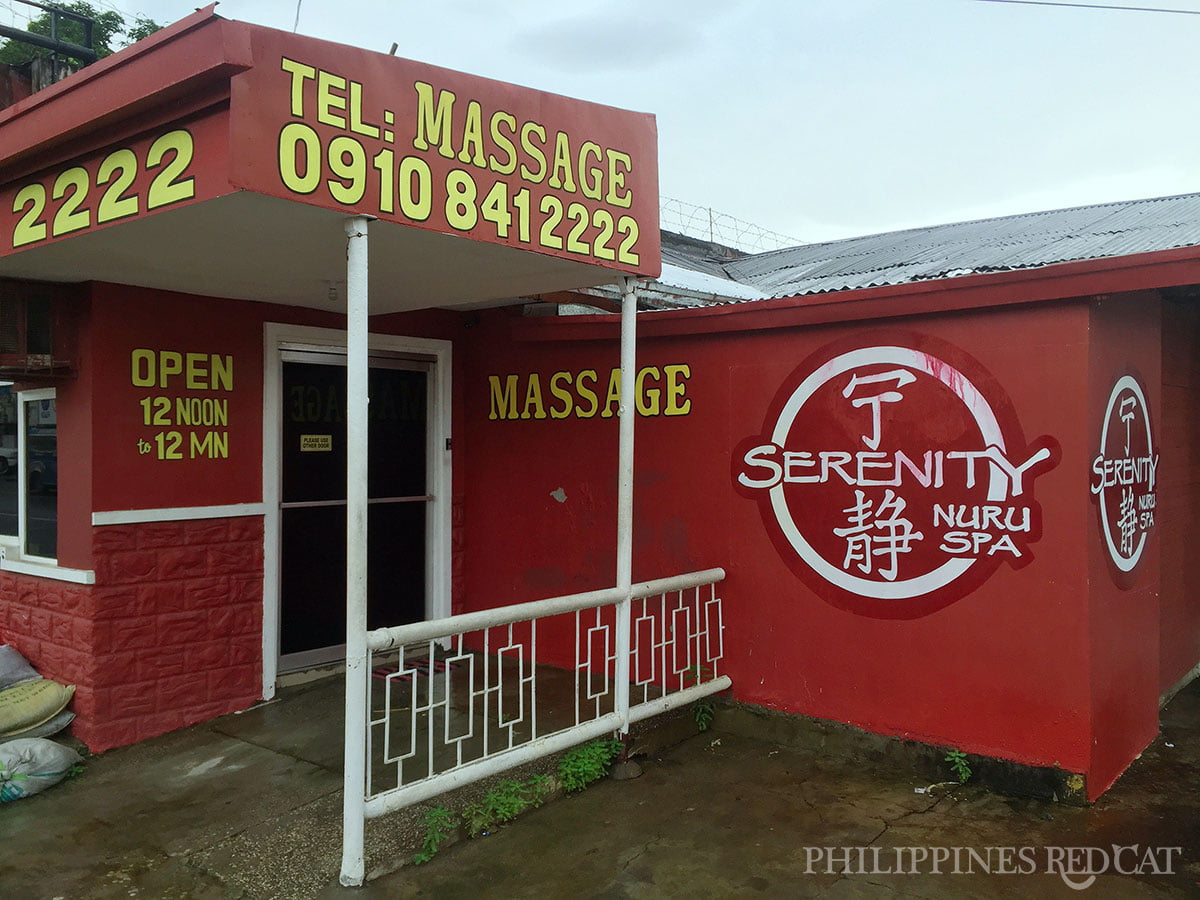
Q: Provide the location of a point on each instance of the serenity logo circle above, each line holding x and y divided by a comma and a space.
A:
1124, 474
889, 480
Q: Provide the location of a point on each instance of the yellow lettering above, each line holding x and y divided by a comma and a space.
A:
616, 179
657, 392
504, 142
434, 123
222, 373
473, 136
169, 363
561, 394
586, 394
562, 163
534, 152
299, 72
647, 398
141, 366
327, 100
214, 445
533, 397
504, 399
357, 125
676, 389
612, 400
591, 178
197, 371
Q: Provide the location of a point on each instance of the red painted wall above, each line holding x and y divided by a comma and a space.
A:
1179, 498
171, 632
1003, 671
1123, 614
135, 422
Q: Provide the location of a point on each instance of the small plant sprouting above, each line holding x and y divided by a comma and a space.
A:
703, 712
959, 765
439, 825
505, 802
581, 766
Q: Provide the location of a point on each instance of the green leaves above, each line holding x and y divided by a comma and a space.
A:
959, 765
110, 25
580, 767
439, 825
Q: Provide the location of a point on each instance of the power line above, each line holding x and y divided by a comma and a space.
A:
1182, 12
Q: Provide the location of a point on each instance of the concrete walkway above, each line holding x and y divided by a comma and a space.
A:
249, 807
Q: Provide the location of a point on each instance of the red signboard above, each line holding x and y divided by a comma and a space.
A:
172, 165
893, 477
405, 142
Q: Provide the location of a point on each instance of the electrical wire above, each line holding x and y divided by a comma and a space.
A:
1182, 12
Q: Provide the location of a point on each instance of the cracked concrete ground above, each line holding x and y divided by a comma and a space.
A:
249, 807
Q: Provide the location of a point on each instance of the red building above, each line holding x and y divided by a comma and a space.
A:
930, 467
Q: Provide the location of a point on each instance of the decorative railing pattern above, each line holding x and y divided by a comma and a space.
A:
458, 699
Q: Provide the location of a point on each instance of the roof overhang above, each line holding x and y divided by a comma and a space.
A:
509, 191
250, 247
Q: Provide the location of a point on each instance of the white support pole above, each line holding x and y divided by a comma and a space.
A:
355, 767
628, 413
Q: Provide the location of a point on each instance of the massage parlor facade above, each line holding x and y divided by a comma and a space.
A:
953, 510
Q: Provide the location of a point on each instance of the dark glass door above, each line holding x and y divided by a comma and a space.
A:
313, 502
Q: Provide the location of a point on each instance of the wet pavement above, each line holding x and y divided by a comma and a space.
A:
248, 806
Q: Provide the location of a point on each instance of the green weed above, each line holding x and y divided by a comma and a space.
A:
959, 765
581, 766
439, 825
505, 802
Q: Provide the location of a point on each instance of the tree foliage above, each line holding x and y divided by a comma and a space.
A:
110, 33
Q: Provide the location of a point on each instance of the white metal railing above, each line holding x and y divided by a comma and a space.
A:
467, 704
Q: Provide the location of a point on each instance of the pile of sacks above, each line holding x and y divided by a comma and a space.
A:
31, 709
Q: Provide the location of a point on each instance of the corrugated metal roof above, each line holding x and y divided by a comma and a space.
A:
985, 245
683, 279
697, 255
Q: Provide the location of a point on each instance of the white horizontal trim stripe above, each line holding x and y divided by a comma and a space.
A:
176, 514
48, 570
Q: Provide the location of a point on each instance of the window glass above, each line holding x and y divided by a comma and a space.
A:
41, 456
8, 460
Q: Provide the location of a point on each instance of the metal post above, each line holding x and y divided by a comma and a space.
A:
355, 767
628, 413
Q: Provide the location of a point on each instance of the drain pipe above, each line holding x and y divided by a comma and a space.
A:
628, 413
355, 765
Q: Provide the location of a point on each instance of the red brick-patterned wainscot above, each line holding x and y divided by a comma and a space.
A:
177, 626
50, 623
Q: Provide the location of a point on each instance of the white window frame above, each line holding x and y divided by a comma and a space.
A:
23, 397
13, 557
9, 543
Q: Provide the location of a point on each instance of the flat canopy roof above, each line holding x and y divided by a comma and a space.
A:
223, 159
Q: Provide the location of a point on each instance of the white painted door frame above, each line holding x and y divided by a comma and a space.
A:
279, 337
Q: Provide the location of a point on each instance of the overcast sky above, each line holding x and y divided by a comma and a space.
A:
829, 118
